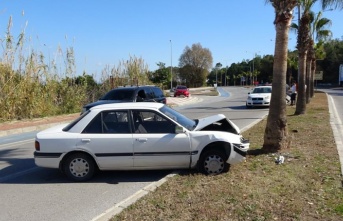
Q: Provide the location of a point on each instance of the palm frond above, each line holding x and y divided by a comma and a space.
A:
335, 4
324, 22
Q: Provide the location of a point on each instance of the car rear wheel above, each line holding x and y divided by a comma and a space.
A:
79, 167
213, 162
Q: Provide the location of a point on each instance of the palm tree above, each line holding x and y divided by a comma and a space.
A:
320, 34
276, 133
303, 44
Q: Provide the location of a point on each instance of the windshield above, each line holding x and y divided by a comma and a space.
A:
182, 87
189, 124
260, 90
119, 94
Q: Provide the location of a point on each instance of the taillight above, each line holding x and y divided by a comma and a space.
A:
37, 146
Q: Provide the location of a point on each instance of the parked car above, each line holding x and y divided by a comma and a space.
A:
260, 96
181, 90
139, 136
130, 94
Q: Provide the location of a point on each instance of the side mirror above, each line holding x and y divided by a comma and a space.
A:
179, 129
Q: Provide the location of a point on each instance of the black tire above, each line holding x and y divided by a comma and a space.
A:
213, 162
79, 167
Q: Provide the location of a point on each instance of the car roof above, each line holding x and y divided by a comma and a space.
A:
262, 86
129, 105
134, 86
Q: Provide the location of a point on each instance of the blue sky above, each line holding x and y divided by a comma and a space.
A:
105, 32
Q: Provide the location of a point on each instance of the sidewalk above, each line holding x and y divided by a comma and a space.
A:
23, 126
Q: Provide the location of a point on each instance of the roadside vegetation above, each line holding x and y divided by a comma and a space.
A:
307, 186
34, 84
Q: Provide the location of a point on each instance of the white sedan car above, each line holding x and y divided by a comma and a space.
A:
139, 136
259, 97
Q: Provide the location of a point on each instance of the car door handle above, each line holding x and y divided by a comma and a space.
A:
86, 140
142, 140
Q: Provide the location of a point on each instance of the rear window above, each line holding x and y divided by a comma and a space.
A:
69, 126
158, 92
182, 87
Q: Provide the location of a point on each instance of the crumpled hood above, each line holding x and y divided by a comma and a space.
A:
203, 122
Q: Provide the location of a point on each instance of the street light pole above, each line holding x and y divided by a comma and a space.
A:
171, 65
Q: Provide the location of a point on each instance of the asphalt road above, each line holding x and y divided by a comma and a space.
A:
31, 193
335, 100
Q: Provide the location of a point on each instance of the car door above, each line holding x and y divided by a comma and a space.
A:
108, 136
155, 143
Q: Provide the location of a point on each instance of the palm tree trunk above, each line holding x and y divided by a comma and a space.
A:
301, 96
308, 77
313, 72
303, 43
276, 133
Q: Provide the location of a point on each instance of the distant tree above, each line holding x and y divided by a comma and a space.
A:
292, 67
195, 63
266, 69
333, 59
86, 79
161, 75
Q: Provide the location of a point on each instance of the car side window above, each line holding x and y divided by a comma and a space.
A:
113, 122
141, 95
152, 122
149, 93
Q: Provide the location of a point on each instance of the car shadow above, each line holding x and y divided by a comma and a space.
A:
38, 175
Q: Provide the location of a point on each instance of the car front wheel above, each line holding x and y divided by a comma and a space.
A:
79, 167
213, 162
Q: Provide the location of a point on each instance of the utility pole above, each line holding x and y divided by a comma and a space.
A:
171, 65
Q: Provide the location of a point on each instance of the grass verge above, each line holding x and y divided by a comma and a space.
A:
307, 186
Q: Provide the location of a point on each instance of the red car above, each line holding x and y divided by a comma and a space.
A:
181, 91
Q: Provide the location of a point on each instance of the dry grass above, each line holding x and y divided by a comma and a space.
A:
306, 187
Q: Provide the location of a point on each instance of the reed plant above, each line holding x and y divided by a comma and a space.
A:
31, 86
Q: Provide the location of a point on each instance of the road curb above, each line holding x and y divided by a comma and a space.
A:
336, 125
119, 207
29, 129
